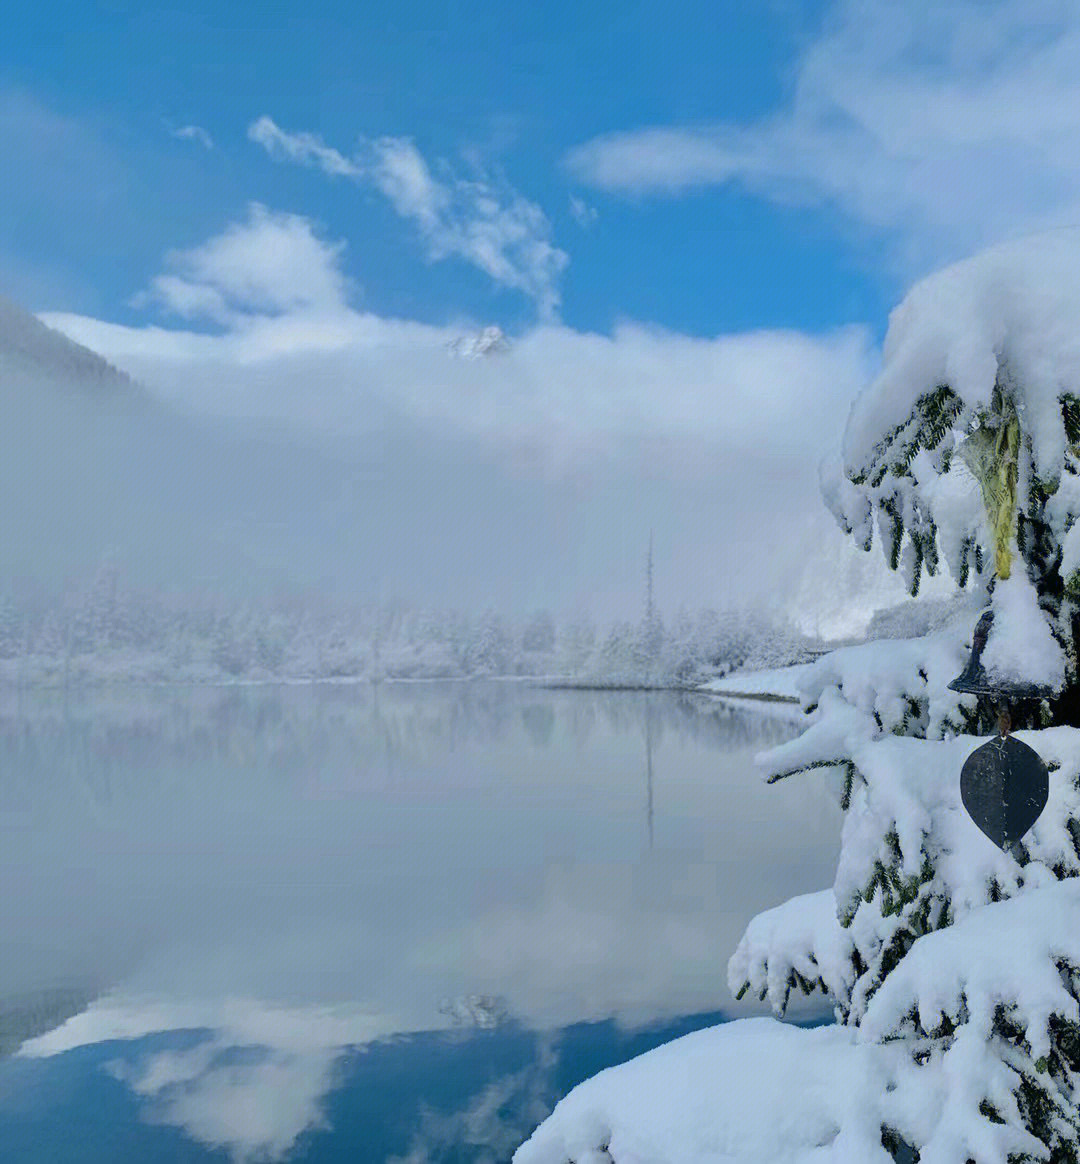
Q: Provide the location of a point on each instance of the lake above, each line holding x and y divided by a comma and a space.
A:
344, 922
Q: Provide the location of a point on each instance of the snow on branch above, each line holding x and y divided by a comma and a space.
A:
1007, 954
797, 945
966, 447
911, 862
859, 693
1013, 307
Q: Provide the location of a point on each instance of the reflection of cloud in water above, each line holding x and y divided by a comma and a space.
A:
251, 1079
628, 942
246, 845
254, 1103
500, 1117
417, 1098
237, 1021
253, 1085
255, 1081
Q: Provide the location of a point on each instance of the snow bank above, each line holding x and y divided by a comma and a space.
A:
746, 1092
757, 1090
779, 683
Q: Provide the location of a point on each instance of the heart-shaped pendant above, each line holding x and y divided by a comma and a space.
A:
1004, 786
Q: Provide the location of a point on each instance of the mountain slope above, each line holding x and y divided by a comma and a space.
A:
30, 351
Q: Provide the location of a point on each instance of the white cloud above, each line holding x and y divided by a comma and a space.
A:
954, 124
582, 213
714, 435
480, 219
657, 160
278, 291
304, 148
712, 440
270, 264
194, 133
567, 396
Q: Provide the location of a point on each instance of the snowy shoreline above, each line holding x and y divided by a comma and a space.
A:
749, 696
777, 684
776, 700
544, 682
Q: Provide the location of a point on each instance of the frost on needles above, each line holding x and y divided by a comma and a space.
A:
953, 968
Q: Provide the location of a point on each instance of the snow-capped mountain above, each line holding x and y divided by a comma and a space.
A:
32, 351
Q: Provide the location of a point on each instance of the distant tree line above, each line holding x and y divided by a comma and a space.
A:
106, 630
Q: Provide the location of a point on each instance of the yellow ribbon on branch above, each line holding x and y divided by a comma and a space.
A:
992, 455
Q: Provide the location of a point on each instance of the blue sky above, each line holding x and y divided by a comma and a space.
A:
812, 150
93, 95
689, 221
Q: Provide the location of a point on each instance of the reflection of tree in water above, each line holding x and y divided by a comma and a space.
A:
690, 718
649, 745
699, 719
539, 722
114, 743
727, 725
580, 718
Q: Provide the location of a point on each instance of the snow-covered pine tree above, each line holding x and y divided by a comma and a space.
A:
965, 451
12, 633
953, 967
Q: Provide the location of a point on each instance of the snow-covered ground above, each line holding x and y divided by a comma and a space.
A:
780, 683
753, 1090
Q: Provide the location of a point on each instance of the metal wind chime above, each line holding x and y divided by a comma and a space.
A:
1004, 784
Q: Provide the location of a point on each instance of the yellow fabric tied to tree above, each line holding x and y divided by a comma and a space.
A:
992, 455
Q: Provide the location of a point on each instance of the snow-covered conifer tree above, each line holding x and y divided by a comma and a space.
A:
964, 452
953, 967
12, 634
538, 634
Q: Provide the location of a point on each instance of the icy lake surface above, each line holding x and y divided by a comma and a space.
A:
344, 923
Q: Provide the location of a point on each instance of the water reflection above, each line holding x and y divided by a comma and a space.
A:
99, 735
429, 1096
227, 905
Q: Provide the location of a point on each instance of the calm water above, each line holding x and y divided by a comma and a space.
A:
339, 923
